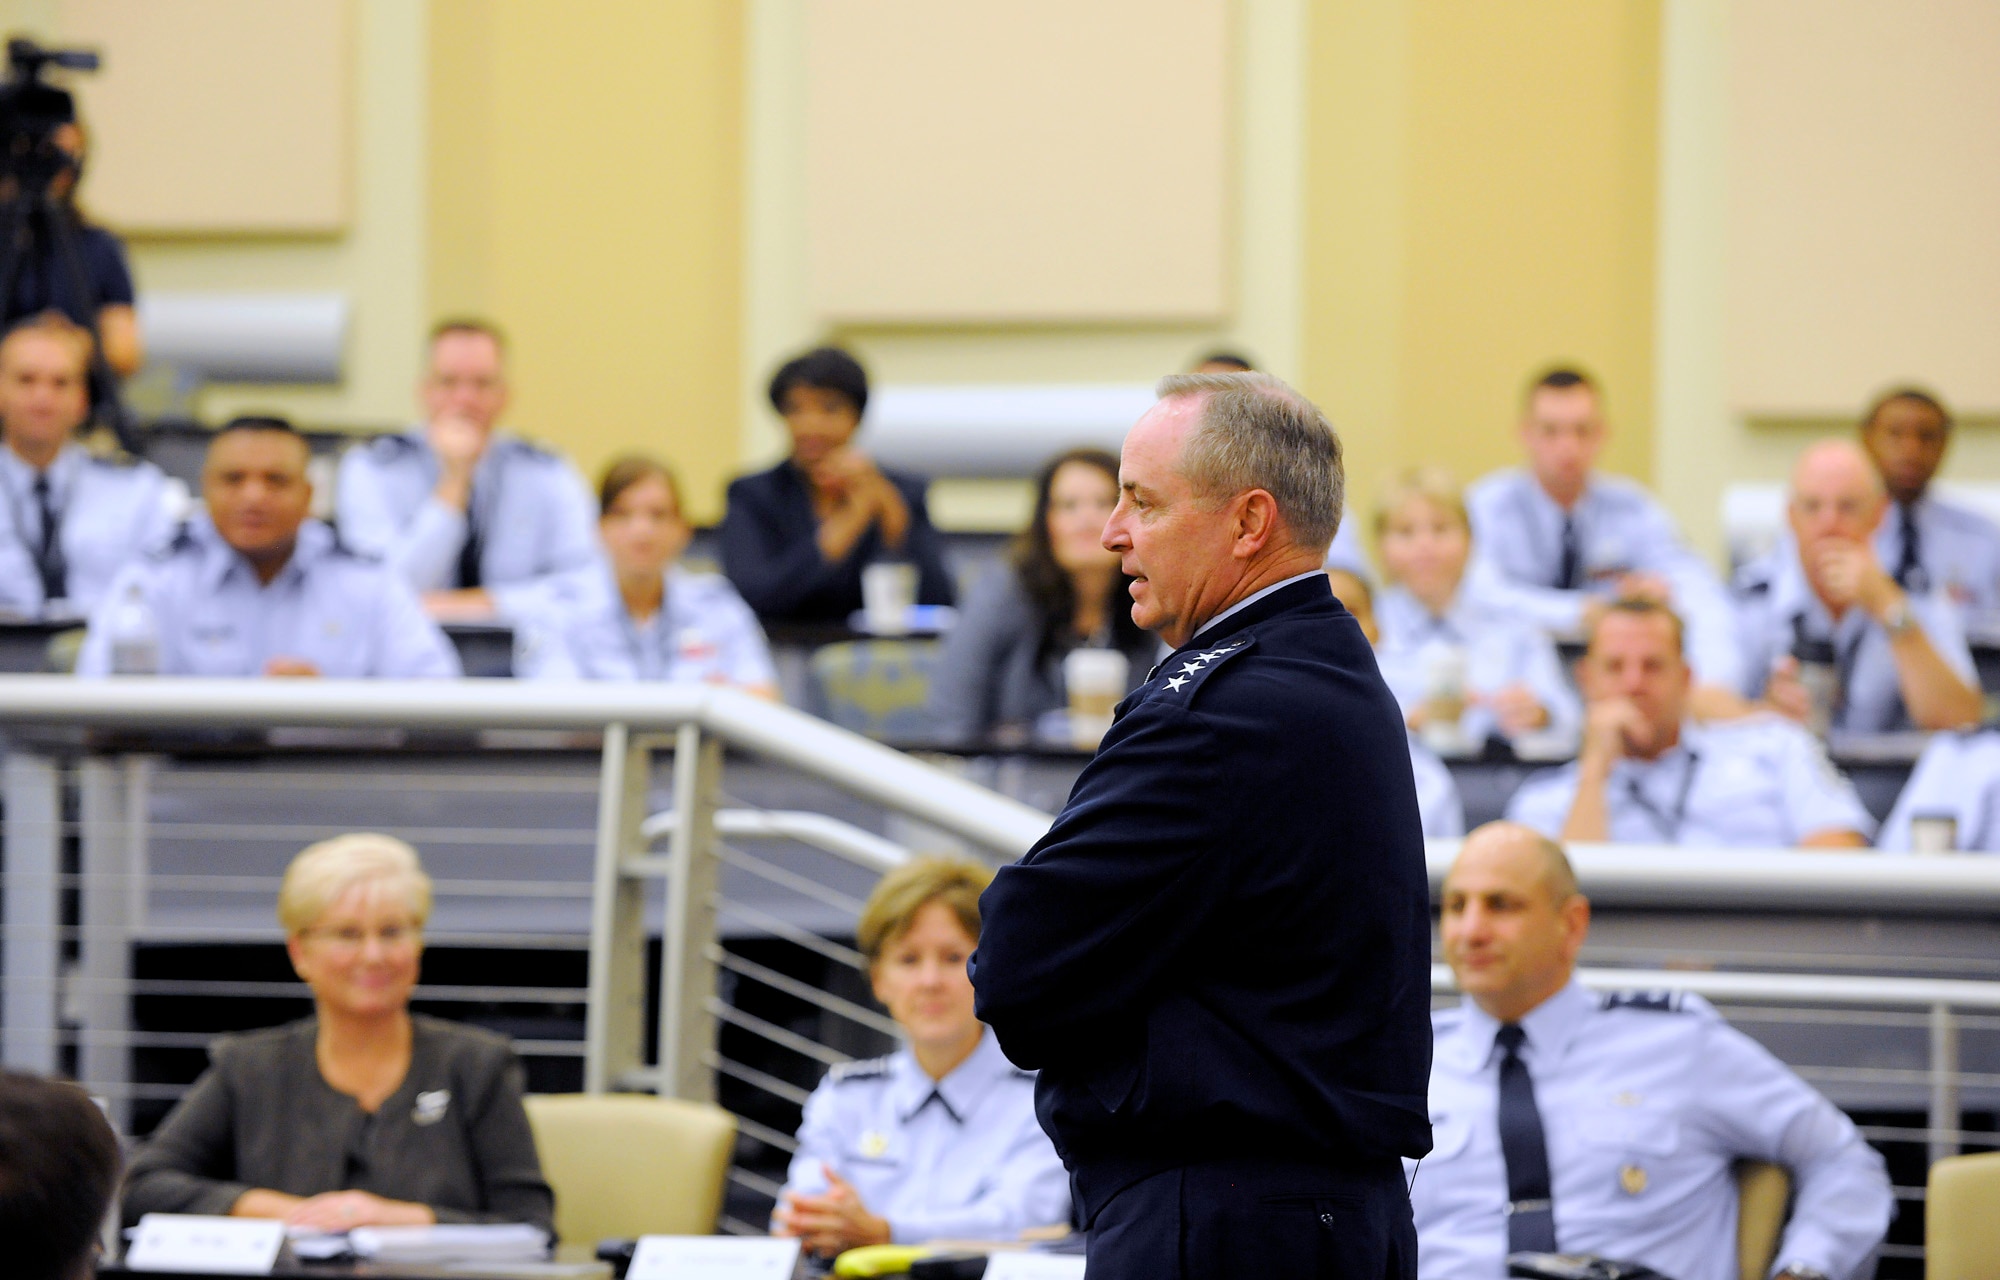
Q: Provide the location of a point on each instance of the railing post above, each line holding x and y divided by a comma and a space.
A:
112, 801
31, 950
615, 1009
1944, 1083
687, 974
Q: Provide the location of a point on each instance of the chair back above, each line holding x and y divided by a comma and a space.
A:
876, 687
1763, 1195
1962, 1217
625, 1165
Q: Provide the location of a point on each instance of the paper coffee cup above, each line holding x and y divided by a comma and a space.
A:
1933, 833
1095, 679
888, 589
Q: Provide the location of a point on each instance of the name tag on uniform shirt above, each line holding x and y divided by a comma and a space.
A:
195, 1242
712, 1258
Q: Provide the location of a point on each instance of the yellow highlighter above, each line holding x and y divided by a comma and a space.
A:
879, 1259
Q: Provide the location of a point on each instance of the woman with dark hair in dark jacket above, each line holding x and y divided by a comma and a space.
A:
795, 538
1057, 590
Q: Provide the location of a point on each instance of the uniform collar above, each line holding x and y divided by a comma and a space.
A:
1673, 758
1262, 604
220, 561
1550, 1026
962, 1089
1548, 505
1403, 614
69, 459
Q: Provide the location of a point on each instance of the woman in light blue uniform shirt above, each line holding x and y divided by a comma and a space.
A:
1442, 653
638, 615
938, 1140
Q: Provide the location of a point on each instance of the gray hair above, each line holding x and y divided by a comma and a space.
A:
1257, 433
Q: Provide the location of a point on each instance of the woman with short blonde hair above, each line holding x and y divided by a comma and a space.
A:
938, 1140
1462, 672
363, 1114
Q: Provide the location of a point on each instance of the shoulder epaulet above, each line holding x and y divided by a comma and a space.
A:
1757, 576
391, 445
859, 1069
520, 444
1181, 676
113, 460
183, 540
1644, 1001
343, 549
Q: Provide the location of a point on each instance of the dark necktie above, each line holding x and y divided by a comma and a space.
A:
1910, 575
1531, 1223
468, 555
1572, 557
49, 557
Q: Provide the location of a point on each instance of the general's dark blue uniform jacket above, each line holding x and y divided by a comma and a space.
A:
1222, 946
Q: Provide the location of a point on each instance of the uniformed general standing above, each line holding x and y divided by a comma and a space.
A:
1896, 657
463, 513
73, 519
1557, 539
256, 588
1925, 542
1650, 774
937, 1140
1608, 1125
1217, 957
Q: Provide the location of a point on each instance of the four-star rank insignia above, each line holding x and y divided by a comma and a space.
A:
1183, 673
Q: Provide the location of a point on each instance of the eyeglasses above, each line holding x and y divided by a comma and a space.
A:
351, 938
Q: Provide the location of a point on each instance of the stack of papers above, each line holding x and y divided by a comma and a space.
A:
499, 1242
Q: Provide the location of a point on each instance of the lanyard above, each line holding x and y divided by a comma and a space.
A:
1669, 824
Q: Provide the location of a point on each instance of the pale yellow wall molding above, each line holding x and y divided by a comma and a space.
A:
1697, 441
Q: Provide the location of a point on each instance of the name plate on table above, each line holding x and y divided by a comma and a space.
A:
1035, 1266
713, 1258
192, 1242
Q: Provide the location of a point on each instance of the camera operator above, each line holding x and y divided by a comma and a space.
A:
51, 257
44, 281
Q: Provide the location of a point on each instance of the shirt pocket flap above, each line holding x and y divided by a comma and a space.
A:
1630, 1128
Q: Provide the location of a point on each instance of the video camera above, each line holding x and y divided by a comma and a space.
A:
31, 112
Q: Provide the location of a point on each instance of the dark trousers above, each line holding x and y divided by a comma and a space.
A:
1267, 1220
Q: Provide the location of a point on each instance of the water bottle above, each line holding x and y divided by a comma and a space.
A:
135, 639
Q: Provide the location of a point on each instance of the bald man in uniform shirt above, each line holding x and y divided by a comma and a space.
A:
1607, 1125
1899, 655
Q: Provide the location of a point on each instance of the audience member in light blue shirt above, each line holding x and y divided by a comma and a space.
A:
1557, 539
938, 1140
637, 615
467, 516
256, 588
1822, 603
1461, 671
1926, 543
73, 519
1649, 774
1952, 801
1608, 1125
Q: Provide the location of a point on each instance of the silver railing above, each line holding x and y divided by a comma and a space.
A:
705, 833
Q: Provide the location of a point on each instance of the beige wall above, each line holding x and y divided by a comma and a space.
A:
1480, 187
377, 261
585, 194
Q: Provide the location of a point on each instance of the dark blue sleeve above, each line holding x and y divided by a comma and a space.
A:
773, 569
924, 546
104, 261
1076, 936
